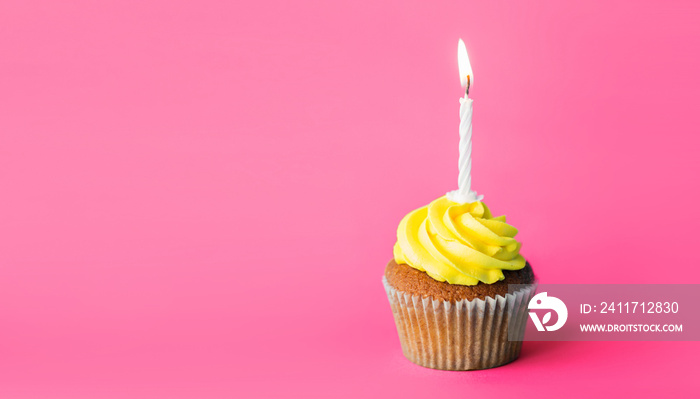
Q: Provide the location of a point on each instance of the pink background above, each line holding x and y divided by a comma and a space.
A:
199, 198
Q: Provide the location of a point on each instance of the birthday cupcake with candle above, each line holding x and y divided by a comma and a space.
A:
458, 285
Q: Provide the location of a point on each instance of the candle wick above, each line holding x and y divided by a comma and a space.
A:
469, 83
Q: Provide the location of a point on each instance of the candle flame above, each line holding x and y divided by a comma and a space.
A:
466, 76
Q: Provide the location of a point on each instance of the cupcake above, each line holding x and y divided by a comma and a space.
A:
448, 286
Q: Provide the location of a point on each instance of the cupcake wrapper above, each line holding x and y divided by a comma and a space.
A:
463, 335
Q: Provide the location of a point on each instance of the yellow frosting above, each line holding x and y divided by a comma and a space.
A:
458, 243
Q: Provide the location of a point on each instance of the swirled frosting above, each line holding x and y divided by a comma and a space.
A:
458, 243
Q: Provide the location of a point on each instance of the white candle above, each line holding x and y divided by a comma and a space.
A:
464, 192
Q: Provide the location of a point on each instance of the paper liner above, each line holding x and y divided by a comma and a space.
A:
463, 335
